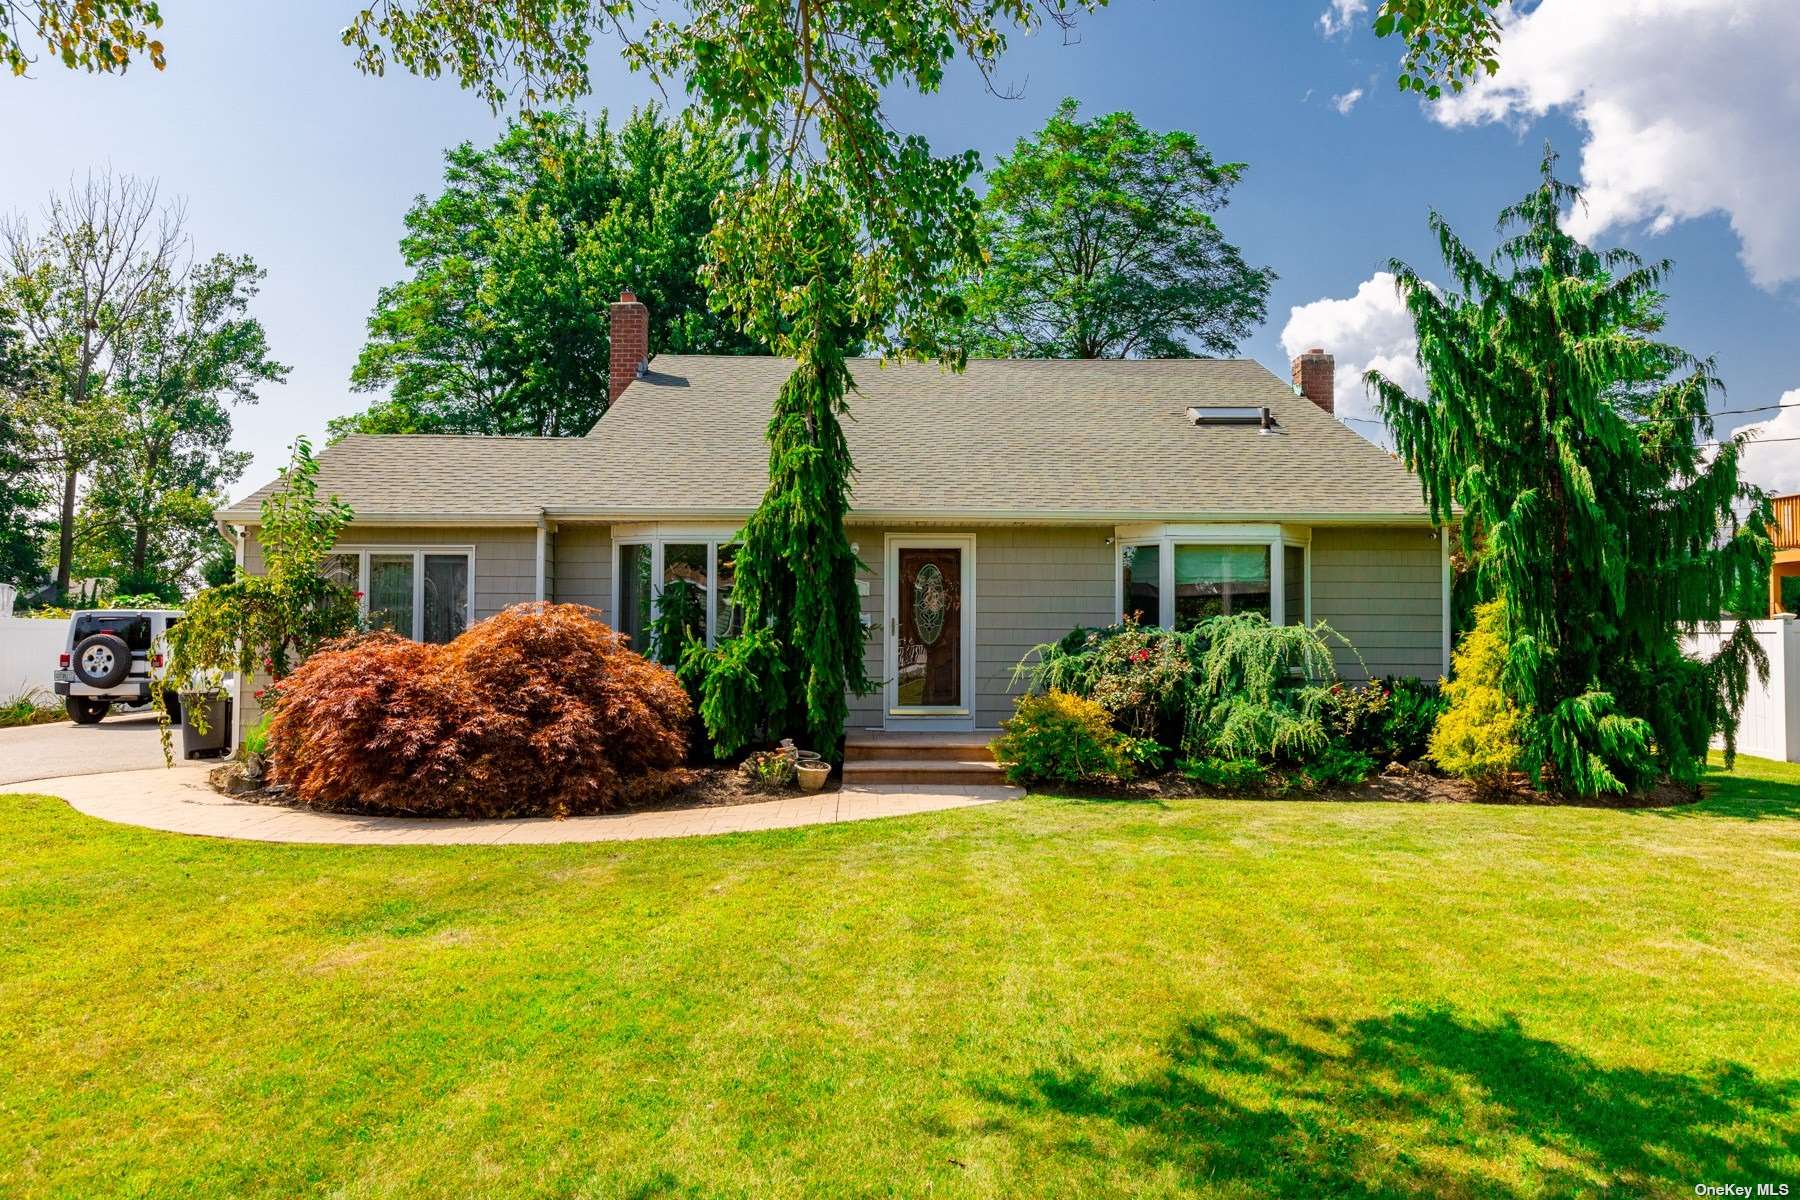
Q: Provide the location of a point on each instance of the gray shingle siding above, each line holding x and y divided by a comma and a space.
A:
1382, 589
584, 557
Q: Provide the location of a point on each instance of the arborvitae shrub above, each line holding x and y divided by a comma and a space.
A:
539, 711
1479, 735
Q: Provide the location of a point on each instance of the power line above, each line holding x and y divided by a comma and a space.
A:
1717, 412
1757, 441
1754, 441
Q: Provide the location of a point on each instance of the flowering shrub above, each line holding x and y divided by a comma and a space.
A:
1389, 719
770, 769
1139, 674
274, 619
1057, 737
539, 711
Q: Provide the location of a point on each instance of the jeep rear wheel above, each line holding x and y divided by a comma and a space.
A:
85, 710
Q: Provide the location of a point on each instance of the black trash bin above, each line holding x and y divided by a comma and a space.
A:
216, 741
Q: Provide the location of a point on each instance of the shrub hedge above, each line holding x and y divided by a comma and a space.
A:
1237, 698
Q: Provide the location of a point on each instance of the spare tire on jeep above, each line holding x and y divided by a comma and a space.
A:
102, 660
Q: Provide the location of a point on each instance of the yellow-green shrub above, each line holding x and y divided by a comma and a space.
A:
1478, 736
1057, 737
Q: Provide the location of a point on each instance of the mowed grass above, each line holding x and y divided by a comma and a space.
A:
1053, 997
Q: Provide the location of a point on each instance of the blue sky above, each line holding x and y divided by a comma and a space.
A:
283, 151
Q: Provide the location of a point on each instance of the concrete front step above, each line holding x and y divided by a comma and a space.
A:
858, 772
862, 745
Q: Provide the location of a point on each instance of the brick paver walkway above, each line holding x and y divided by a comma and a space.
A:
179, 800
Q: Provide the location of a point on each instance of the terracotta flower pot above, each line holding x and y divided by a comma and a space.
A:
813, 775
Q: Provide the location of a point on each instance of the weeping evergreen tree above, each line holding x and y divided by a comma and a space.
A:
796, 572
1578, 448
799, 270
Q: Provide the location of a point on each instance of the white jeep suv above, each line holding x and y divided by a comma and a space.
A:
113, 656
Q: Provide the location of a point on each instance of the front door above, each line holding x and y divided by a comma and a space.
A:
930, 629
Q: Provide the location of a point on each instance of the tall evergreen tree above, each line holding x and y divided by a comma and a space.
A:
1578, 448
795, 567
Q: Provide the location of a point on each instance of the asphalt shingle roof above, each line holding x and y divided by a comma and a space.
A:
1005, 438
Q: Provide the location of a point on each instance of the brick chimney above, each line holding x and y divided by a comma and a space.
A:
1314, 375
630, 344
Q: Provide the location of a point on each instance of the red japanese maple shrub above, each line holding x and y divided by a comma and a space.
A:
541, 710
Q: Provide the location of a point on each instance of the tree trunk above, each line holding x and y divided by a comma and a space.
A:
139, 552
65, 540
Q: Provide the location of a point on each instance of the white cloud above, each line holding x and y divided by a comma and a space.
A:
1347, 101
1689, 106
1771, 464
1341, 16
1370, 330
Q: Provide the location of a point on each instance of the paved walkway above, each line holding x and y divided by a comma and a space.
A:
179, 800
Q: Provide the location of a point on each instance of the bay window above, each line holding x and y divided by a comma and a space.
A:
424, 594
1177, 576
1140, 581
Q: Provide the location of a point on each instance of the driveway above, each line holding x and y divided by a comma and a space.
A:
119, 743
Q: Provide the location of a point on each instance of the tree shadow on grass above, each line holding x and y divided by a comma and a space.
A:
1420, 1103
1750, 797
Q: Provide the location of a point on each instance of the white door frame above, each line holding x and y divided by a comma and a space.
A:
960, 716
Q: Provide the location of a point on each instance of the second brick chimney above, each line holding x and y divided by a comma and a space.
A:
1315, 374
630, 344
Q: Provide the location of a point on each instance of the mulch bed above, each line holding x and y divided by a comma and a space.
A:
1398, 784
724, 787
709, 787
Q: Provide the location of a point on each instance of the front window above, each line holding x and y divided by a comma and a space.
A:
1218, 581
673, 590
635, 582
421, 594
390, 593
1176, 577
728, 618
446, 596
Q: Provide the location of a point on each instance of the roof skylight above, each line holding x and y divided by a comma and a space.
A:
1232, 414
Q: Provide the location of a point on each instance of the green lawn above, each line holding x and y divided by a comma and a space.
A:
1053, 997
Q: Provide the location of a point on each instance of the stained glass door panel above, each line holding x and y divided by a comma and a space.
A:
928, 628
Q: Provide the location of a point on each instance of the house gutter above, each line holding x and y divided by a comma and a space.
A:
617, 514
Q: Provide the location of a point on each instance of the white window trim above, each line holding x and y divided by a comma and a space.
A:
362, 554
711, 539
1167, 537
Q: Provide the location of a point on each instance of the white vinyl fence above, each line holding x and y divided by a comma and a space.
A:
28, 650
1770, 726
